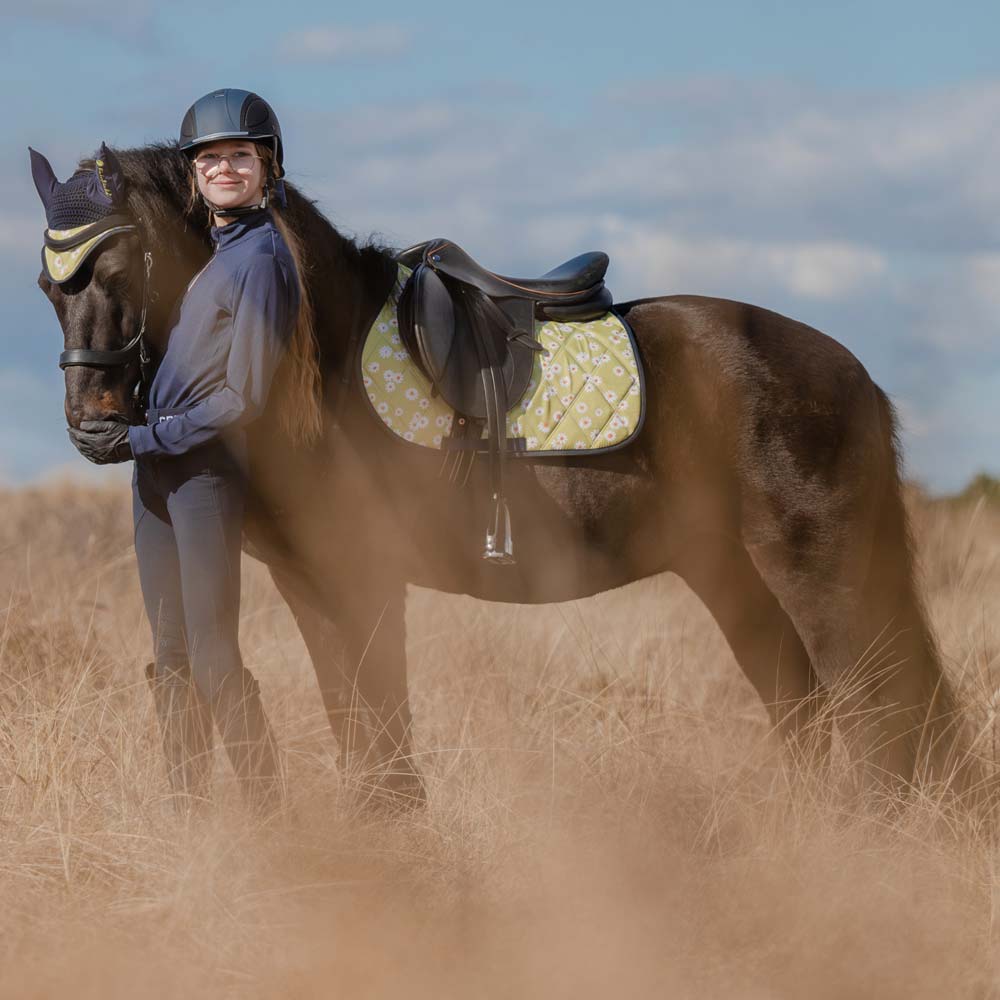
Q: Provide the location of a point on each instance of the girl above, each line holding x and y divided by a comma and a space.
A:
229, 332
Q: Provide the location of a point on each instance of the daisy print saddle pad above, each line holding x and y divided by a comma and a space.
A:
586, 393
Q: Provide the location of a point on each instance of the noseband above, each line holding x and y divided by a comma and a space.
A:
80, 244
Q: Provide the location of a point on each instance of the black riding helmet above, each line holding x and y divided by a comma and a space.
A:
232, 114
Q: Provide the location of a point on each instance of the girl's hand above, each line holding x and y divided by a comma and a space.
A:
103, 442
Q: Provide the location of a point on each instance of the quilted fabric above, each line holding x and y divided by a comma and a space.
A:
585, 393
61, 265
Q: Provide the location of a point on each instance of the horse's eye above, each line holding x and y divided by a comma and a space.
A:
115, 285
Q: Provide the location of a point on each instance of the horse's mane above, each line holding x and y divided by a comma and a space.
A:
340, 274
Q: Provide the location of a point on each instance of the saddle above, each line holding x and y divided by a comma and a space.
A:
472, 333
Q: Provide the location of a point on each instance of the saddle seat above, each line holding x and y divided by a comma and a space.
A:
576, 279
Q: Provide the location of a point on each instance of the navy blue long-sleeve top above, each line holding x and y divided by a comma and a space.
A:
227, 337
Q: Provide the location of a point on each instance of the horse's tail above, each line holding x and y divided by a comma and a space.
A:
894, 612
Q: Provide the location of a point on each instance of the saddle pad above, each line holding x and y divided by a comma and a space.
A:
585, 394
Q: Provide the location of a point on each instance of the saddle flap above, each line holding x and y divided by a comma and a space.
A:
433, 322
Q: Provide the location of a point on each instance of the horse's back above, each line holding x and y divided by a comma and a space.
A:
753, 403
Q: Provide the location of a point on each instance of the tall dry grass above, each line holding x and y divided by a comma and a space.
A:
608, 812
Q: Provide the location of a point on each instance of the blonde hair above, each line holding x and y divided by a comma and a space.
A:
298, 384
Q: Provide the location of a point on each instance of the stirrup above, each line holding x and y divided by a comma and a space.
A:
499, 531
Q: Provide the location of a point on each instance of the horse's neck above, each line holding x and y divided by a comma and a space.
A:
347, 286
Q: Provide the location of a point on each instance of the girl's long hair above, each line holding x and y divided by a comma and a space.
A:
297, 384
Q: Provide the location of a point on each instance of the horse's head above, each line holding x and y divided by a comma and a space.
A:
109, 225
94, 274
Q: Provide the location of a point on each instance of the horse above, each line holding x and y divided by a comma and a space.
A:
766, 475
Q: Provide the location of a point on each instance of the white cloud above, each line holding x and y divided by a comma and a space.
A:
333, 43
729, 267
132, 21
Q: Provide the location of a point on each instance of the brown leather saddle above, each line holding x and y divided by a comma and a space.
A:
472, 334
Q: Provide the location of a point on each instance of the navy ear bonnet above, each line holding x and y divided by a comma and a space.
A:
88, 196
81, 213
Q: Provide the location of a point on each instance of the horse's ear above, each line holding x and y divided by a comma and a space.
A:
43, 176
108, 185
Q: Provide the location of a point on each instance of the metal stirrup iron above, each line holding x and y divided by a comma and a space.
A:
499, 541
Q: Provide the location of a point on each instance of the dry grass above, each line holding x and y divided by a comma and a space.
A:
607, 811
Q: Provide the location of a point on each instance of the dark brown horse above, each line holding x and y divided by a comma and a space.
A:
766, 476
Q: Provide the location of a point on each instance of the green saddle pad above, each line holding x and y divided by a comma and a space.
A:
586, 392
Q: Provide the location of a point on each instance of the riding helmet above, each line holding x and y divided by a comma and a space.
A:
232, 114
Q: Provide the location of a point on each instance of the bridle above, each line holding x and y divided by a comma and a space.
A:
136, 348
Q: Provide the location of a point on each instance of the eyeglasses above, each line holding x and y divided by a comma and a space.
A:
241, 162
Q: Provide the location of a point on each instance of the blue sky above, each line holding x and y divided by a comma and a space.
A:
837, 163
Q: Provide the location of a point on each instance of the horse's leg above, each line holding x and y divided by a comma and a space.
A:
375, 630
360, 662
336, 679
841, 567
760, 635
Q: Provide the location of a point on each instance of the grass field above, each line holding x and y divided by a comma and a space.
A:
607, 815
